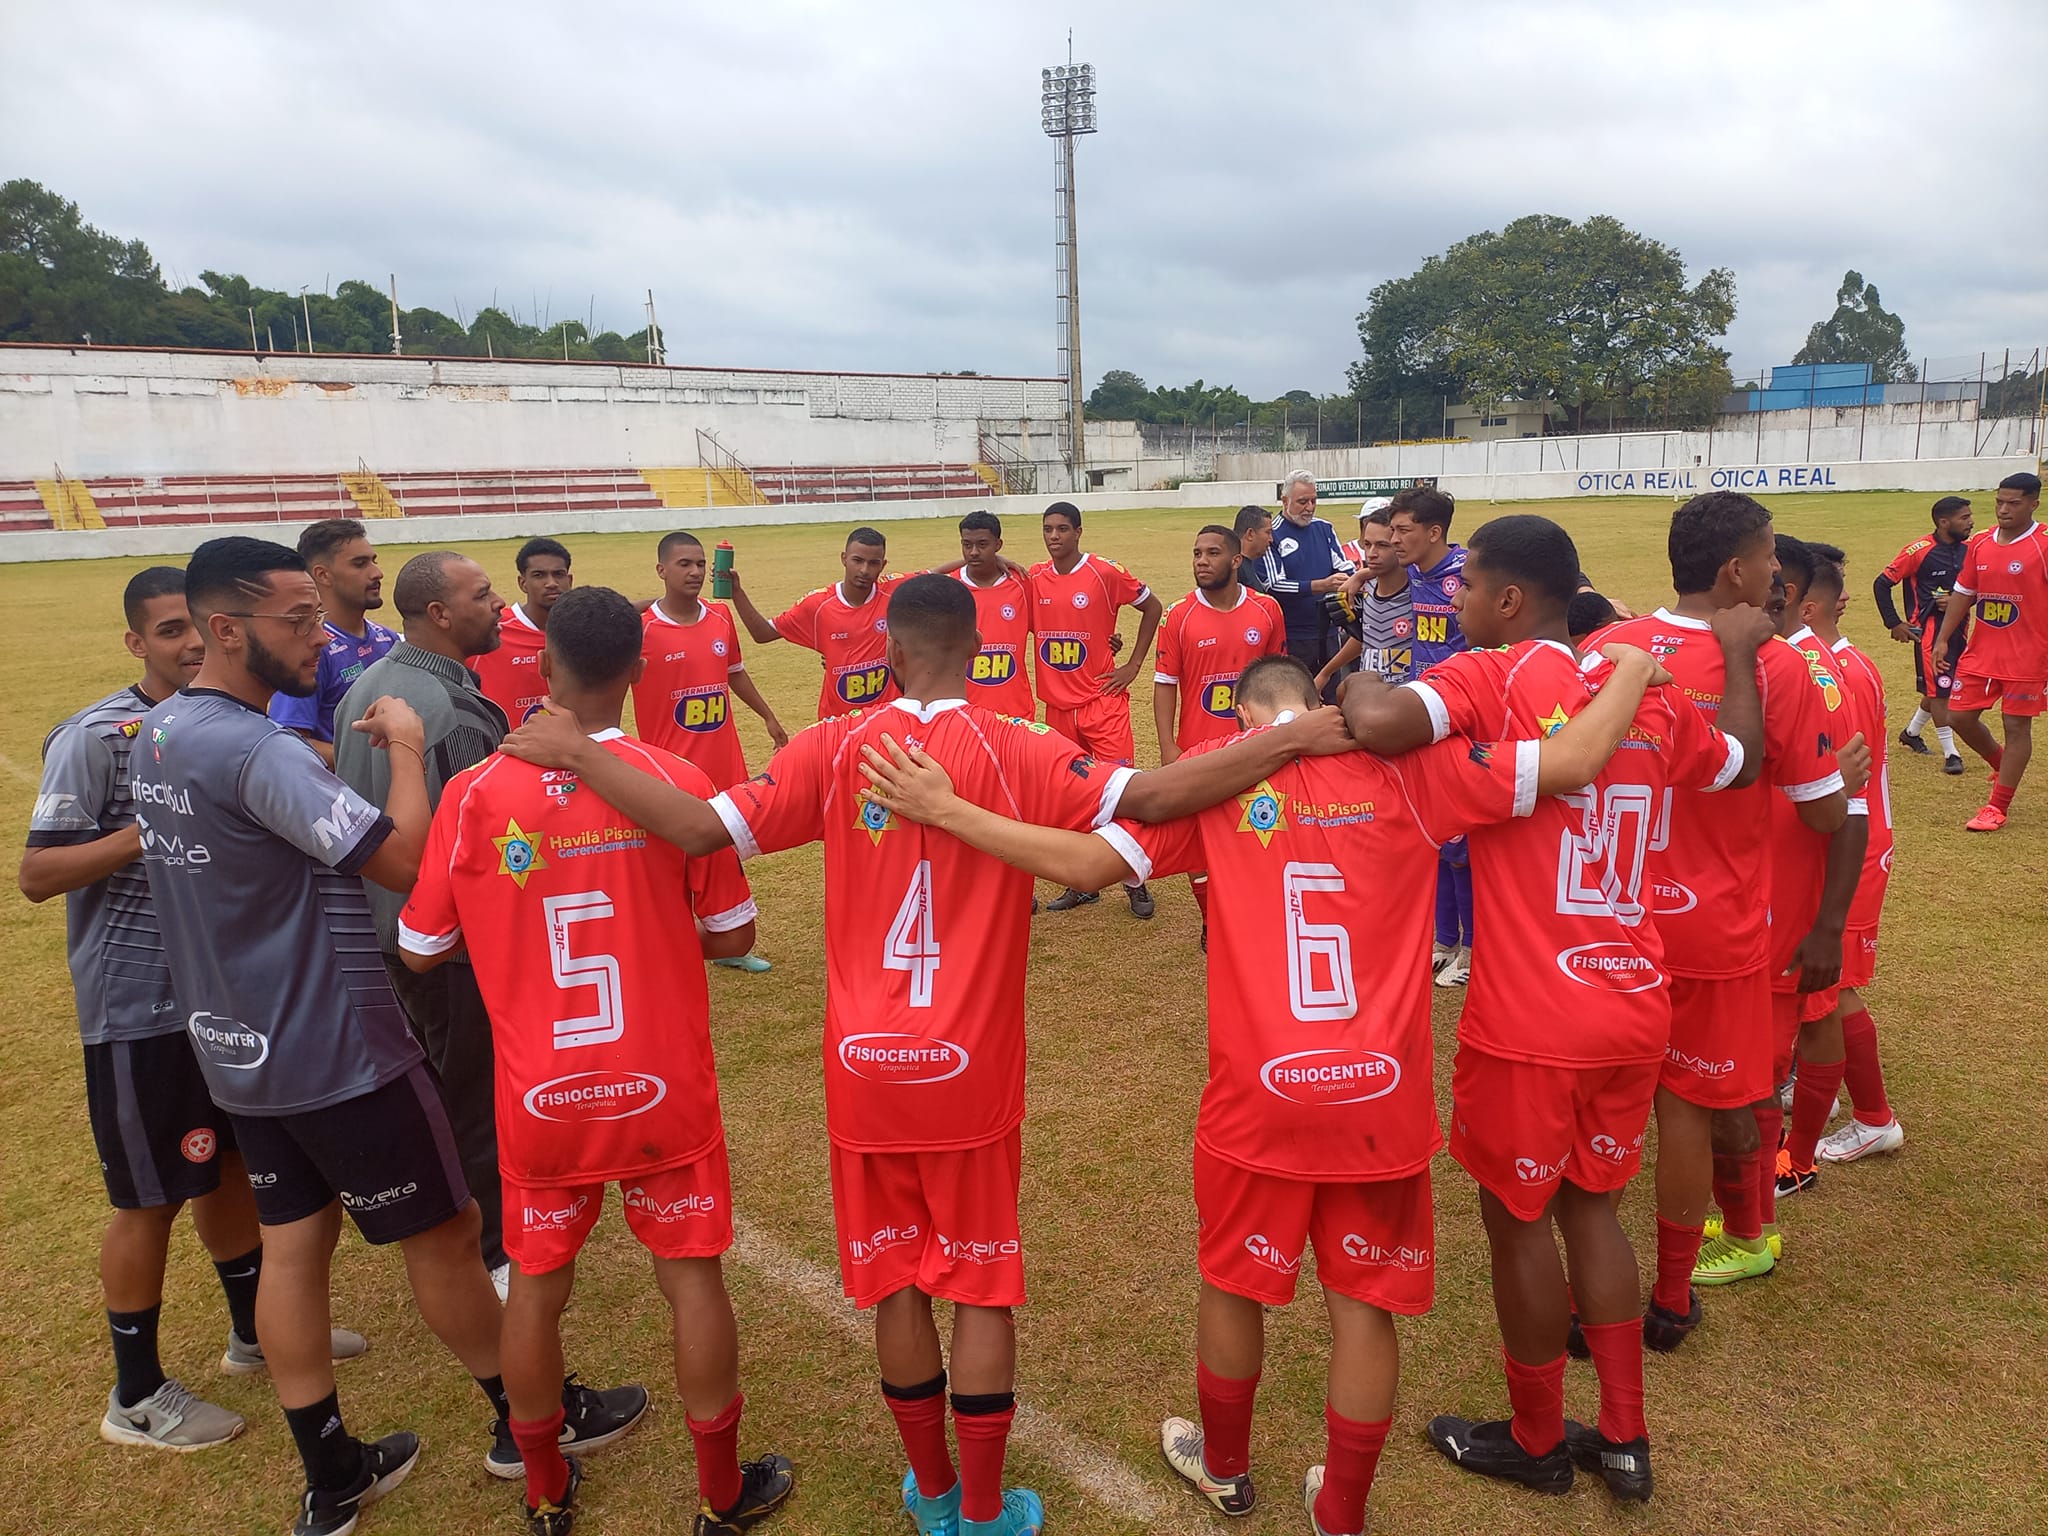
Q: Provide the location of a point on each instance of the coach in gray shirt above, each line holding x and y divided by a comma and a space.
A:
450, 613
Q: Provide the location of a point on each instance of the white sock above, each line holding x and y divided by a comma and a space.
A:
1920, 718
1947, 738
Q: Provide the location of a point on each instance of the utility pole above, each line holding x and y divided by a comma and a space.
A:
307, 310
656, 352
1067, 110
397, 346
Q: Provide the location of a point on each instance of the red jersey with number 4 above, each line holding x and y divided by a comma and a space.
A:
1329, 863
997, 678
683, 701
851, 639
2007, 585
925, 939
1866, 692
1203, 650
1074, 615
1572, 970
1712, 879
579, 926
510, 676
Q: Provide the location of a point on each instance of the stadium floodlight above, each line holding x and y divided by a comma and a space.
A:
1066, 108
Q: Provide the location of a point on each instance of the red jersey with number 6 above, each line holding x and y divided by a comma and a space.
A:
1330, 862
683, 701
1203, 650
593, 977
925, 938
1075, 613
1572, 970
852, 641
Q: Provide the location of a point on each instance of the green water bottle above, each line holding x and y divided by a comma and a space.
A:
721, 569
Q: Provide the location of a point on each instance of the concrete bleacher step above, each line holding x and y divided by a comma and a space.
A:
372, 496
703, 487
70, 504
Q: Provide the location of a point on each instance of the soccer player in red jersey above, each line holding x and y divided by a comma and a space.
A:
601, 1025
1318, 1120
2004, 580
925, 946
1927, 568
1708, 875
1209, 638
510, 675
1076, 599
1566, 1024
846, 623
1003, 615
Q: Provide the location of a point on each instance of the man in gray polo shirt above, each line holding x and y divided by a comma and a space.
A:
450, 614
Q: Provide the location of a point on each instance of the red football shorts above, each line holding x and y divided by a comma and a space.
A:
1974, 691
1101, 727
1859, 968
945, 1222
1720, 1051
678, 1213
1519, 1127
1375, 1242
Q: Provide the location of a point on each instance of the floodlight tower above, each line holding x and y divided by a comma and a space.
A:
1066, 109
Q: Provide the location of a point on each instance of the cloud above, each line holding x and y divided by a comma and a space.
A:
866, 187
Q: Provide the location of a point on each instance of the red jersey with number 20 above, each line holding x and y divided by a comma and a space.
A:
925, 938
1714, 877
2007, 585
996, 677
1074, 616
1572, 970
851, 640
683, 701
579, 926
1203, 650
1329, 863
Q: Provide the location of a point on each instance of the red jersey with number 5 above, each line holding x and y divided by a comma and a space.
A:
1074, 615
1713, 880
1572, 969
996, 677
2007, 585
852, 641
925, 938
1329, 863
683, 701
579, 924
1203, 650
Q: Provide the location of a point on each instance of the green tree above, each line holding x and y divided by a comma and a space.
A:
1119, 397
1547, 309
1861, 330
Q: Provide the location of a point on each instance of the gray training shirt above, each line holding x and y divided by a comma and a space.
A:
117, 957
1387, 634
254, 851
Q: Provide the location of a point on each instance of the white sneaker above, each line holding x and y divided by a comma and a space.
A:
1857, 1140
1180, 1443
1311, 1490
501, 1281
245, 1359
1457, 970
1441, 955
1790, 1086
169, 1419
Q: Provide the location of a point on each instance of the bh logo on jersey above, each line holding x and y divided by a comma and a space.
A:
1998, 612
886, 1057
704, 710
1219, 698
1063, 654
993, 667
1332, 1076
1263, 1250
1265, 813
862, 685
1609, 967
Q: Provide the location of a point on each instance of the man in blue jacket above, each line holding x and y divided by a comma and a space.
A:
1305, 561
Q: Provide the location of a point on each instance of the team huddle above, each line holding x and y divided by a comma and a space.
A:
406, 925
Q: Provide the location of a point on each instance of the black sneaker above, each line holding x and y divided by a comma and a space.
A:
559, 1518
591, 1420
1952, 764
1142, 904
1070, 898
1664, 1330
1491, 1450
764, 1486
1919, 748
1575, 1341
1623, 1465
385, 1464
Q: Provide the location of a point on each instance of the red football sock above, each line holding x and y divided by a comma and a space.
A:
1813, 1095
1617, 1350
1770, 1124
982, 1423
718, 1455
2001, 796
1996, 758
1536, 1393
1862, 1071
920, 1414
1200, 884
1226, 1406
1678, 1250
1735, 1193
540, 1448
1349, 1463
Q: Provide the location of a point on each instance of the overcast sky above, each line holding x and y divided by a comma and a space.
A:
866, 186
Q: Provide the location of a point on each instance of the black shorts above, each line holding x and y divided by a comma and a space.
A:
389, 1157
1925, 672
159, 1135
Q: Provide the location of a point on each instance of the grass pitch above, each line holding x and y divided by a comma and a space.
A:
1888, 1377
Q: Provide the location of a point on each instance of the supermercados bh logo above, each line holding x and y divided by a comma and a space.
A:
1063, 653
704, 709
518, 853
1328, 1077
1611, 966
887, 1057
582, 1097
1998, 612
225, 1042
862, 685
992, 667
1265, 813
1219, 698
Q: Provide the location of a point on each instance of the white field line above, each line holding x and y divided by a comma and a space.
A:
1098, 1473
